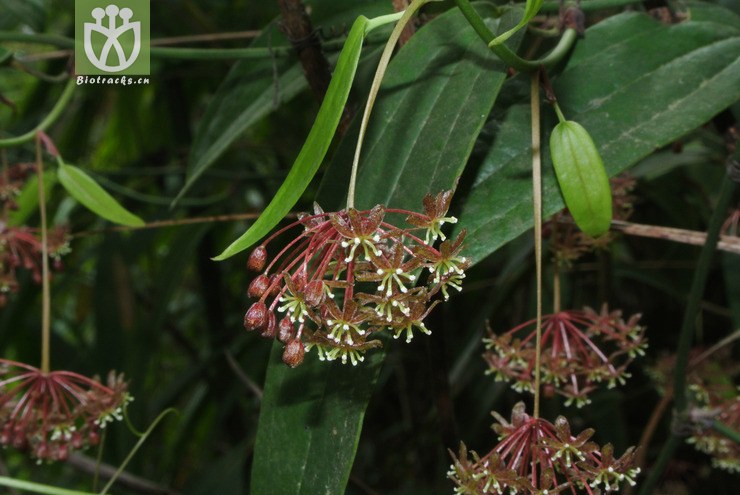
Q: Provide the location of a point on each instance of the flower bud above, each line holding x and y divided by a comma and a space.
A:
259, 286
42, 451
93, 438
256, 317
76, 441
314, 293
293, 353
62, 453
257, 259
285, 330
270, 329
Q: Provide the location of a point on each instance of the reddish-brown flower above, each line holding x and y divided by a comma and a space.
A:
51, 414
20, 247
537, 457
349, 275
580, 349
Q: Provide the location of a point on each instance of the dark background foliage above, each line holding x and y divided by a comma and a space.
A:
152, 304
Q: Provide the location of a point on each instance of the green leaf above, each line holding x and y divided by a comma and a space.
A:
636, 85
582, 178
84, 189
28, 199
436, 96
316, 145
530, 10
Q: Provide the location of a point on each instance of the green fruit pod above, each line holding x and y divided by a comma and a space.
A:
582, 177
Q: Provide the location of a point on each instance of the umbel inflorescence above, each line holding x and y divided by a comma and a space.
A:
350, 275
50, 414
580, 350
537, 457
20, 246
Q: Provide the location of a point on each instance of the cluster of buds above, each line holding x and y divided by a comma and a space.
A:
568, 243
714, 398
349, 276
50, 414
537, 457
20, 247
580, 349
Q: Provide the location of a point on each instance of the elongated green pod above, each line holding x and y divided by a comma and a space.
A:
582, 177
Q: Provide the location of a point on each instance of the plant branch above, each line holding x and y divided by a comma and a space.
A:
726, 243
176, 223
567, 40
186, 53
127, 480
687, 330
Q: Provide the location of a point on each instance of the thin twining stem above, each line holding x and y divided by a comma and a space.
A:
45, 291
375, 87
537, 204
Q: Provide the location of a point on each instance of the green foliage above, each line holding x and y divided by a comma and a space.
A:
84, 189
629, 112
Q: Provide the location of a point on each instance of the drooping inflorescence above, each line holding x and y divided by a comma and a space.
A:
537, 457
50, 414
580, 349
350, 275
20, 246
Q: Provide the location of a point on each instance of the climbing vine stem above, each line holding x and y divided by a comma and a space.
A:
567, 40
50, 118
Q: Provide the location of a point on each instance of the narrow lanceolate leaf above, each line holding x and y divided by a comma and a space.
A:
635, 84
582, 178
530, 10
84, 189
436, 96
316, 145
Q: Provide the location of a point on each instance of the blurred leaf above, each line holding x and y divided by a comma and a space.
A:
670, 80
316, 145
437, 94
31, 13
28, 199
252, 90
85, 190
